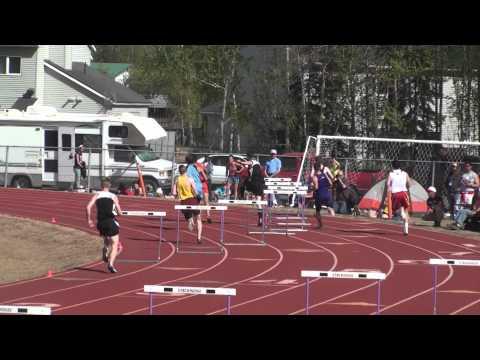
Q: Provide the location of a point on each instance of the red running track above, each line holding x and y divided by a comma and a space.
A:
267, 278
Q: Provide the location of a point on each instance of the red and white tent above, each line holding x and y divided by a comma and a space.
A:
374, 198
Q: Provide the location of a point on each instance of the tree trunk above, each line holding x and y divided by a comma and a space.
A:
238, 142
441, 92
304, 100
468, 117
192, 140
478, 105
322, 101
232, 130
353, 126
222, 120
287, 113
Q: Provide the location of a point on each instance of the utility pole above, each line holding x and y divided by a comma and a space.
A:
287, 113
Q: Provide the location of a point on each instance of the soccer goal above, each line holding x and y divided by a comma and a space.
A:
366, 161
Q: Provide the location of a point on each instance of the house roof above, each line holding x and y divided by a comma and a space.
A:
160, 101
99, 84
110, 69
215, 108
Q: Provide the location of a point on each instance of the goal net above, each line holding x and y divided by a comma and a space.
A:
365, 161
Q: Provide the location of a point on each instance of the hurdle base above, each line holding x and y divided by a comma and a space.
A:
259, 243
200, 250
272, 233
137, 261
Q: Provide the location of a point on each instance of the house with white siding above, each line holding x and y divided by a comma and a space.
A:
61, 76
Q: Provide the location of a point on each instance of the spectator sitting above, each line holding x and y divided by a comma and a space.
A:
352, 198
435, 211
124, 190
464, 214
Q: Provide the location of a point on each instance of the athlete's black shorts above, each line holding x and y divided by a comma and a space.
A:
108, 227
323, 199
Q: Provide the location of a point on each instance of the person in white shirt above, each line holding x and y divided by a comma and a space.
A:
398, 183
468, 186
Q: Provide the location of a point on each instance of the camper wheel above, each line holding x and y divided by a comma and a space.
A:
21, 182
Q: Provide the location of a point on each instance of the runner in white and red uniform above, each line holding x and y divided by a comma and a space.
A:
398, 184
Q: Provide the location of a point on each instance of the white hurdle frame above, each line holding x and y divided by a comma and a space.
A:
161, 215
161, 289
449, 262
222, 210
308, 274
288, 230
25, 310
278, 179
261, 203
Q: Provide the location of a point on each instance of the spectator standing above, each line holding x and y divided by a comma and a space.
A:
452, 184
205, 189
468, 185
209, 171
334, 164
233, 170
340, 203
193, 173
78, 165
272, 168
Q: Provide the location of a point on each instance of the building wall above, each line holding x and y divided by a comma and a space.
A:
58, 90
81, 53
140, 111
14, 86
450, 124
57, 54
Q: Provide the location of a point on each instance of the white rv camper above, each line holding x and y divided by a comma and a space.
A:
36, 147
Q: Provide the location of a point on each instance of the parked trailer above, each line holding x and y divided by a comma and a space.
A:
36, 148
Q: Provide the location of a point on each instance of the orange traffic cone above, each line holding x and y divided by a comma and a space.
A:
54, 221
49, 273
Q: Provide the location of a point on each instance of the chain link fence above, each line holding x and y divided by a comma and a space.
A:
25, 167
367, 161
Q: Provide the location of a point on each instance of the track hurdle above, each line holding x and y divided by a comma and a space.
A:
261, 203
340, 275
25, 310
161, 215
449, 262
278, 179
160, 289
196, 249
301, 204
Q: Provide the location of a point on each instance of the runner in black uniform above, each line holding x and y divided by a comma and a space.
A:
107, 208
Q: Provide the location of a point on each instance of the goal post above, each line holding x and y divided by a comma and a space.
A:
366, 161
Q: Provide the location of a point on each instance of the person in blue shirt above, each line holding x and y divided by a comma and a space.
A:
272, 168
193, 173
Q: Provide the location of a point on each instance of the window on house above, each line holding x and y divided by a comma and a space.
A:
66, 142
10, 65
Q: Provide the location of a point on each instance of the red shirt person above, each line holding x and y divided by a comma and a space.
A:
398, 183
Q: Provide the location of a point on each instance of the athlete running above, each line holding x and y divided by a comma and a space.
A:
322, 182
107, 208
398, 184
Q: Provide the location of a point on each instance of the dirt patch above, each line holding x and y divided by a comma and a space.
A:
30, 248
